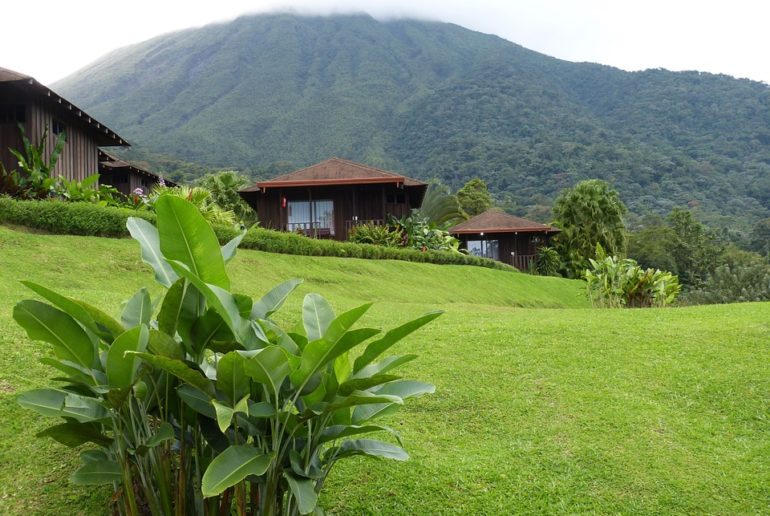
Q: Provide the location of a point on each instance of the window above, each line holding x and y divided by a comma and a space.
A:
13, 114
58, 127
311, 215
484, 248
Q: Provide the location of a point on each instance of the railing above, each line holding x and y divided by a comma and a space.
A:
522, 261
350, 224
311, 229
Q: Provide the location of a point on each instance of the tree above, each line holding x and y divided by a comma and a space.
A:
224, 188
474, 197
695, 249
759, 240
590, 213
440, 207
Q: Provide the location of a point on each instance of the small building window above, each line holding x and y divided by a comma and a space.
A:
311, 216
484, 248
58, 127
13, 114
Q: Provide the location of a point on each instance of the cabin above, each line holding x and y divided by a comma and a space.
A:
497, 235
328, 199
26, 102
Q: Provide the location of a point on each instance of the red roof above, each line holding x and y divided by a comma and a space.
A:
103, 135
334, 171
497, 221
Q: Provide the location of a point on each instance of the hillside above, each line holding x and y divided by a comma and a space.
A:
536, 410
265, 93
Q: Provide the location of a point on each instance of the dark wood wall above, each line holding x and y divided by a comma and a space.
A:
522, 244
367, 202
80, 157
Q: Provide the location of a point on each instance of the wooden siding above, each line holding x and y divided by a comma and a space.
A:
79, 159
364, 202
9, 137
521, 244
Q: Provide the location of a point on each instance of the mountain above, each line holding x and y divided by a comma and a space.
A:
435, 100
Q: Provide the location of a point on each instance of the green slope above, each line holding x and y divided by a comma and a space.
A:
537, 410
435, 100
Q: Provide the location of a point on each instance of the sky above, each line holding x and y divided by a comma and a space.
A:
52, 39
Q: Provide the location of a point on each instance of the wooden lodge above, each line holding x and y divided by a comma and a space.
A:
26, 102
495, 234
328, 199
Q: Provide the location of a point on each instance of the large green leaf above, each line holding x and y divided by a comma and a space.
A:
208, 329
402, 388
231, 466
268, 366
165, 432
161, 344
304, 493
226, 306
75, 373
121, 367
320, 352
108, 327
74, 434
186, 237
334, 432
147, 236
360, 384
179, 369
97, 472
73, 308
317, 315
138, 310
59, 403
337, 328
381, 345
372, 448
358, 398
171, 307
70, 341
228, 250
231, 376
274, 299
197, 400
383, 366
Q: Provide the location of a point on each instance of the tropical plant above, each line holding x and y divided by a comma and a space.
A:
88, 190
474, 197
421, 234
33, 178
591, 213
548, 262
439, 207
224, 188
613, 282
206, 405
376, 234
198, 196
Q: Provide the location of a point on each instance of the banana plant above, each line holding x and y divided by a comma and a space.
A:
200, 403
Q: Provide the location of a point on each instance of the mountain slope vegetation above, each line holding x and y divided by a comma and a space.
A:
435, 100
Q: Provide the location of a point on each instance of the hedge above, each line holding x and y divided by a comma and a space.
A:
76, 218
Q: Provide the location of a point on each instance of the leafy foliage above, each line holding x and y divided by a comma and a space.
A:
591, 213
474, 197
376, 234
209, 405
760, 237
613, 282
200, 197
34, 178
421, 234
451, 104
547, 262
223, 187
741, 277
439, 207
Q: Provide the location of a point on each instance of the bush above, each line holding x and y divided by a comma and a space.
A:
376, 234
743, 277
93, 220
62, 217
200, 403
615, 283
548, 262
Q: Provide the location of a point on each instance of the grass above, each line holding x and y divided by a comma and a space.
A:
537, 409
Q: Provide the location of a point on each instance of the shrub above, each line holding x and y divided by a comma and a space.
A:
614, 283
376, 234
548, 262
94, 220
742, 277
208, 406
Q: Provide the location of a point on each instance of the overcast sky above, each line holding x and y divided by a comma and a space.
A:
51, 39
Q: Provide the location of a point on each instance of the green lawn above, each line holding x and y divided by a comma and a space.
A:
537, 409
